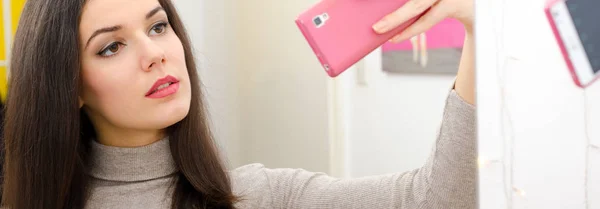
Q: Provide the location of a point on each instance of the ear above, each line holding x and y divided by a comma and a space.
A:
80, 101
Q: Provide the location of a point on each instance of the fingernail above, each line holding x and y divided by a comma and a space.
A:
380, 26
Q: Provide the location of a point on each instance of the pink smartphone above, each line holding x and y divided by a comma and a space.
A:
577, 31
340, 32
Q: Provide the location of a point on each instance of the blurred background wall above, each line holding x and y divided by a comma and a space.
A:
532, 118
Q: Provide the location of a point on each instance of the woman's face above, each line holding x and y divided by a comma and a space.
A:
134, 74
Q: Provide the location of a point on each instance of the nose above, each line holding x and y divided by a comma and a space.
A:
153, 56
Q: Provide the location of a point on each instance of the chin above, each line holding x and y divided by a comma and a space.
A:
171, 115
175, 115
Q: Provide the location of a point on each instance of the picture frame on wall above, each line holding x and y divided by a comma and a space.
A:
436, 51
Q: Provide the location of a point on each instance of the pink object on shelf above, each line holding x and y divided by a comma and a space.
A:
447, 34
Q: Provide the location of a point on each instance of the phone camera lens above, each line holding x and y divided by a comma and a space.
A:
318, 21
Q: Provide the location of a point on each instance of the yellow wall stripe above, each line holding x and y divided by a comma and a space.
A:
16, 6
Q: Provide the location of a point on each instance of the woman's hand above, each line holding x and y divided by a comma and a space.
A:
434, 11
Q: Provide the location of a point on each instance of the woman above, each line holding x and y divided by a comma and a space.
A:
105, 111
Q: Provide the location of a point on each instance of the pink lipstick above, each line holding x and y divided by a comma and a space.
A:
163, 87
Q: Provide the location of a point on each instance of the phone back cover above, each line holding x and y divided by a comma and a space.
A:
347, 36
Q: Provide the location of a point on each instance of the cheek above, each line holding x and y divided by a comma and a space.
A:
92, 91
174, 52
102, 90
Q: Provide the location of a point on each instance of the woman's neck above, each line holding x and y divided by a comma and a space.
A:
129, 138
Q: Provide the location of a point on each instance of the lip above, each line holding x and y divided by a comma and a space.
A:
171, 89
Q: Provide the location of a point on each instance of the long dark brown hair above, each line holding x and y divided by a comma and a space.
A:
47, 136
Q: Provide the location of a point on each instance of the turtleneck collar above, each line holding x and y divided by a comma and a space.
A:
132, 164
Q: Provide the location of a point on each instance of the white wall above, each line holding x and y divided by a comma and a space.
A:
211, 27
547, 134
283, 89
266, 92
393, 119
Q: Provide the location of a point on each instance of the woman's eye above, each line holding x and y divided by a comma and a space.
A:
158, 28
110, 50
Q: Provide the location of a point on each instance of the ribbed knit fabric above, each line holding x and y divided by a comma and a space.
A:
141, 177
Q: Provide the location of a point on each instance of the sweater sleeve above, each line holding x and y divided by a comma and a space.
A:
448, 179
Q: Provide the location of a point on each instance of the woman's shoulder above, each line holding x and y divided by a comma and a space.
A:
264, 187
248, 167
248, 172
249, 175
251, 184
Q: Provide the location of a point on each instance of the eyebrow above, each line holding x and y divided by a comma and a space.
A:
118, 27
154, 11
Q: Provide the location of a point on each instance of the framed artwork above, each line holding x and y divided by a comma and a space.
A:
10, 11
436, 51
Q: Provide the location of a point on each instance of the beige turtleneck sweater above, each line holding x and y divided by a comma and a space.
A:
140, 177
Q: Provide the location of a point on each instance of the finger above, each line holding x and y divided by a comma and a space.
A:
435, 15
409, 10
